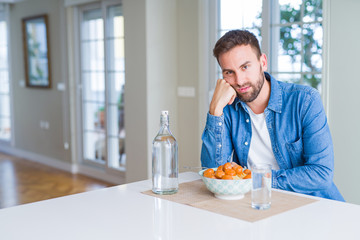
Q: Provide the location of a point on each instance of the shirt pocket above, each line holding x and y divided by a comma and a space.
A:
295, 152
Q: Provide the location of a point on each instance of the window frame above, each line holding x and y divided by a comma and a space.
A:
268, 44
6, 16
274, 40
103, 5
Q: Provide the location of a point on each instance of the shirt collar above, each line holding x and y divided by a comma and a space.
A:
275, 101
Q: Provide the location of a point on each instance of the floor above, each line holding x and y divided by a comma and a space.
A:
23, 181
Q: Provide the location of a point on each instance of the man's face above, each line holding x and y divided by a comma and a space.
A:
243, 70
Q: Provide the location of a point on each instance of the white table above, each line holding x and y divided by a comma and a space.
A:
122, 212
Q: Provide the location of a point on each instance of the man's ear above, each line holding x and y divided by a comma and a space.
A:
263, 61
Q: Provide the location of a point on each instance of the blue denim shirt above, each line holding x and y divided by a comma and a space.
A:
299, 134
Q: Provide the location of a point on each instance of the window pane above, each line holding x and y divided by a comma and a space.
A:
92, 25
93, 30
313, 10
291, 78
113, 127
239, 14
94, 116
313, 41
5, 113
288, 57
255, 31
94, 86
5, 129
119, 27
290, 11
115, 22
114, 160
4, 82
313, 80
94, 146
93, 55
116, 82
116, 85
3, 57
116, 54
3, 35
117, 152
4, 106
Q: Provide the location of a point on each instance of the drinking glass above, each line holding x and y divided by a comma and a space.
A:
261, 186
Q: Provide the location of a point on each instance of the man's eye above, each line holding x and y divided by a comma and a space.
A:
228, 72
245, 67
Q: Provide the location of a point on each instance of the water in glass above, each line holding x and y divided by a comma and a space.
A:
261, 186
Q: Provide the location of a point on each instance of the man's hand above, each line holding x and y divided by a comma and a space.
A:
224, 94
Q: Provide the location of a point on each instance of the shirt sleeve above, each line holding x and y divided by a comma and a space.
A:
216, 142
317, 152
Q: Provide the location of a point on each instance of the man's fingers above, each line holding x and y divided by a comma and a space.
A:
224, 94
232, 98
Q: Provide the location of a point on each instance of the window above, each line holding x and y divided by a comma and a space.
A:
297, 39
240, 14
233, 15
102, 81
295, 35
5, 113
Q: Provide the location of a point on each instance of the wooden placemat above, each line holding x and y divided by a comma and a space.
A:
196, 194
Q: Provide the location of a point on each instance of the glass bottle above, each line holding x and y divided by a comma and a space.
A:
165, 159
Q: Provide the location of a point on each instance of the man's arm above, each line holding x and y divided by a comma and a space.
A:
217, 145
317, 153
223, 95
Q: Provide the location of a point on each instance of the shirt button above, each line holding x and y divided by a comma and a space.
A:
246, 143
219, 146
247, 120
220, 123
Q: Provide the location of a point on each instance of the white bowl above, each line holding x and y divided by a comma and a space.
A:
227, 189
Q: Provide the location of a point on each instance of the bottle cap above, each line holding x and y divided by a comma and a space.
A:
164, 113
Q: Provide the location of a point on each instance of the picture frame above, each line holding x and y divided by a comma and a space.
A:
36, 51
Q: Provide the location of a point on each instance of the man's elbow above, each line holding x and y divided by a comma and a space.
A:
325, 178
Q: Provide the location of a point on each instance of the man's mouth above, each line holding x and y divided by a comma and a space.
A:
243, 89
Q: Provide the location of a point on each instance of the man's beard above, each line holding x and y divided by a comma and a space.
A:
251, 96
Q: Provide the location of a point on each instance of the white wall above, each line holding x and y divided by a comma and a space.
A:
344, 100
33, 105
161, 48
136, 118
151, 78
162, 66
188, 76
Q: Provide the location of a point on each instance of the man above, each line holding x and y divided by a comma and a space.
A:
254, 118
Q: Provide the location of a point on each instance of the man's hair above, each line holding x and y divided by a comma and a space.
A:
235, 38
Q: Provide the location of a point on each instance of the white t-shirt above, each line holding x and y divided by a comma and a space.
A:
260, 146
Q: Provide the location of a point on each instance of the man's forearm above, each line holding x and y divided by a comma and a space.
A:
216, 148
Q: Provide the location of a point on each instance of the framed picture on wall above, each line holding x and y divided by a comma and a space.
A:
36, 51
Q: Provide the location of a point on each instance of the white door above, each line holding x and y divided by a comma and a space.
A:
102, 81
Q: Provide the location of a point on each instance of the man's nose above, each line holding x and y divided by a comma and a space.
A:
239, 78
